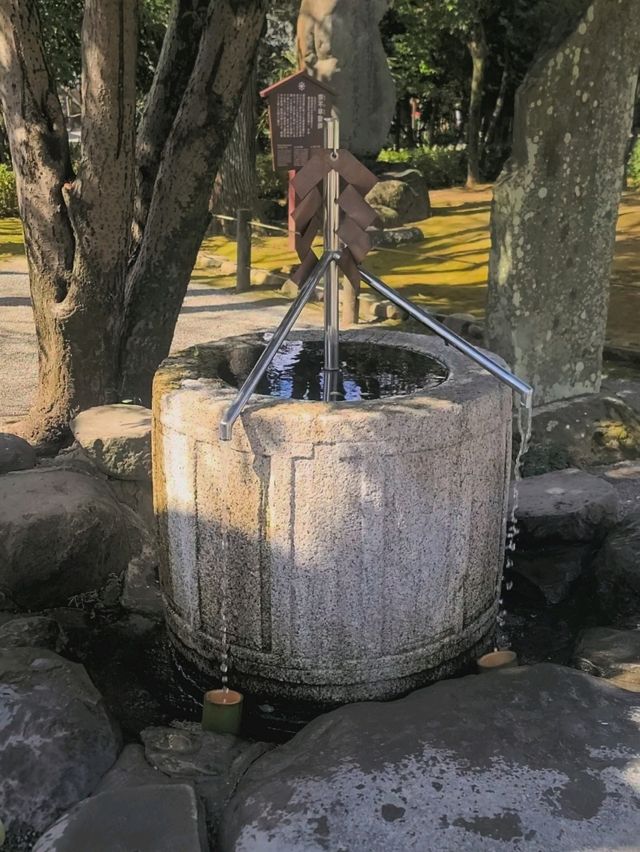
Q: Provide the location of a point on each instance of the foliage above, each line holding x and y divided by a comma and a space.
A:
633, 166
8, 197
427, 43
276, 59
441, 165
270, 184
61, 28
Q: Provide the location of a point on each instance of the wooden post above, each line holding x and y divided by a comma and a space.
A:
243, 256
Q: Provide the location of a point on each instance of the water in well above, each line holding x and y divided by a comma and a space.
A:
367, 371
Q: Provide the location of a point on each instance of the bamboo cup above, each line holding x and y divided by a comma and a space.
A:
497, 660
222, 711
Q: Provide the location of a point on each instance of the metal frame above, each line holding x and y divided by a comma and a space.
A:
328, 261
332, 277
328, 266
306, 292
450, 337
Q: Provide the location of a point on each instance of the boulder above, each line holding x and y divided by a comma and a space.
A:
627, 390
540, 758
611, 654
617, 569
153, 818
62, 534
213, 762
387, 216
56, 739
39, 631
15, 453
565, 506
132, 770
405, 193
625, 478
393, 237
118, 439
552, 571
583, 432
141, 588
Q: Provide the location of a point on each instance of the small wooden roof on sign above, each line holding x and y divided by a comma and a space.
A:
286, 81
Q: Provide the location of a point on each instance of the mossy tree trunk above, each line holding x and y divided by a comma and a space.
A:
555, 207
111, 247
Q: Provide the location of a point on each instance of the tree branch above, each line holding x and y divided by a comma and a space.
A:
39, 146
101, 199
178, 214
177, 58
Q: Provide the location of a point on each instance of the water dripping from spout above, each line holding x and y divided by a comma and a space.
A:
224, 639
524, 424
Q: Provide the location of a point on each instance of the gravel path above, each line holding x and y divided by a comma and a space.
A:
207, 314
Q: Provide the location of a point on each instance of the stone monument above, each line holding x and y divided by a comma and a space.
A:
339, 43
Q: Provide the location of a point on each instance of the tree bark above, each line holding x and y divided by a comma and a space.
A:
179, 209
175, 66
497, 109
235, 184
106, 305
478, 49
555, 206
74, 233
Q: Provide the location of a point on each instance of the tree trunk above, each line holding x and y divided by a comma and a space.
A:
478, 49
497, 109
555, 207
175, 66
179, 210
105, 304
235, 185
75, 228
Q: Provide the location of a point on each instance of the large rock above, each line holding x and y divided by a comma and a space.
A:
62, 534
551, 570
40, 631
118, 439
56, 740
544, 758
625, 478
405, 193
611, 654
215, 763
132, 770
617, 570
583, 432
339, 43
562, 518
565, 506
15, 453
556, 203
143, 819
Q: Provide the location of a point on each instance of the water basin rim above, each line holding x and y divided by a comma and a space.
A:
463, 374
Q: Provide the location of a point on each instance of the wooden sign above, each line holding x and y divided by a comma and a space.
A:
298, 106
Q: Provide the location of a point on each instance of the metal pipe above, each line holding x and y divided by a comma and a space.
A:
306, 291
525, 390
332, 277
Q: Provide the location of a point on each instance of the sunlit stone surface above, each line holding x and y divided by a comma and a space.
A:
354, 548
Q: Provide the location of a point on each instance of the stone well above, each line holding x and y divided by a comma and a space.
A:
353, 549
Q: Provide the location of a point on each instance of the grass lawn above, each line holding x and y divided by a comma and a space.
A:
11, 243
448, 271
